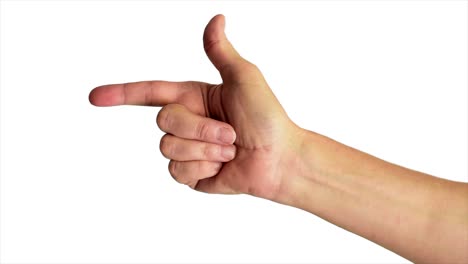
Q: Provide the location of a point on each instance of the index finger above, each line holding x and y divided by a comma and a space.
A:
148, 93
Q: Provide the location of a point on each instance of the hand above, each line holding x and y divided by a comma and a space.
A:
403, 210
204, 120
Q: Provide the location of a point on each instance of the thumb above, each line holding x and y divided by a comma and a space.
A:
218, 48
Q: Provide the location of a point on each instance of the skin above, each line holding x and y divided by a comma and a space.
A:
236, 138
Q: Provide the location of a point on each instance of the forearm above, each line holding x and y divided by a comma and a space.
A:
420, 217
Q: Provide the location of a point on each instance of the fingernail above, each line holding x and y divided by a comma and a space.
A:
228, 152
225, 135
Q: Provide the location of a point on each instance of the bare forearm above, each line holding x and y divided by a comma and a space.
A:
420, 217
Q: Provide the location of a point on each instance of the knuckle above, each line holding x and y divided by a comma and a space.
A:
251, 69
164, 118
210, 151
242, 72
161, 118
202, 130
251, 66
166, 146
176, 172
172, 168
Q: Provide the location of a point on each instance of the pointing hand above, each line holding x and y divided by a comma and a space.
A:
232, 137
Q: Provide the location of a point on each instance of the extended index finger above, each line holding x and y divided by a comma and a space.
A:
149, 93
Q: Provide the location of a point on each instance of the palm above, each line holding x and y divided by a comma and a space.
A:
258, 124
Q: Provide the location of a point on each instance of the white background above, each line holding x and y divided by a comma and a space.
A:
81, 184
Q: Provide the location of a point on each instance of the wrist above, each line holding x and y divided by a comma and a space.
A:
313, 174
299, 169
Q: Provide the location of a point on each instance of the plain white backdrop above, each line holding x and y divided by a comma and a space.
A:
81, 184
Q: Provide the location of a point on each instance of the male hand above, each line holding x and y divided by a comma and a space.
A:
229, 138
413, 214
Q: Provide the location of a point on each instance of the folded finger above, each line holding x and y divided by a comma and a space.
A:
181, 149
176, 119
189, 172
